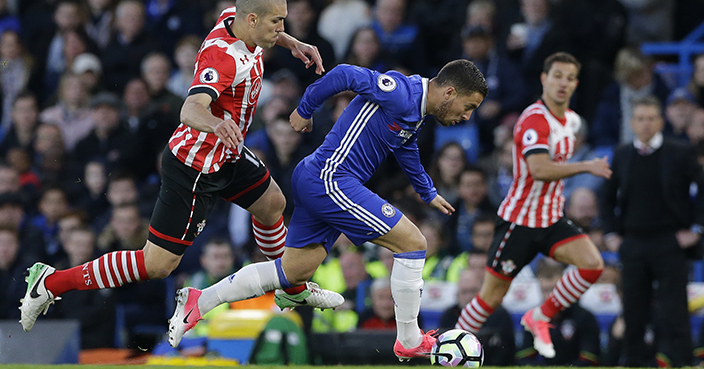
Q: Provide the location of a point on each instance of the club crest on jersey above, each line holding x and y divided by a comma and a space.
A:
507, 267
200, 227
530, 137
209, 75
386, 83
255, 90
388, 210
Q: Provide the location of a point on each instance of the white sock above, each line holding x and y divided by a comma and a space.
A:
251, 281
406, 288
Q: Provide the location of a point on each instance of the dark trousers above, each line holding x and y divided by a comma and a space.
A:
655, 275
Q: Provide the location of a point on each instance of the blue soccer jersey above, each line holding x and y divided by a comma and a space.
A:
385, 117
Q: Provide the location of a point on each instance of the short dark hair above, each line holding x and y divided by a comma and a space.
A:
649, 100
464, 76
561, 57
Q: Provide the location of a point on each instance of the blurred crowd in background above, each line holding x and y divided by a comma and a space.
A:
91, 90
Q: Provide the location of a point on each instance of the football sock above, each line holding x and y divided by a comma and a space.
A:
271, 240
406, 288
474, 315
110, 270
567, 291
251, 281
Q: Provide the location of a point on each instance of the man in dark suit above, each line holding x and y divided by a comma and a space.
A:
654, 231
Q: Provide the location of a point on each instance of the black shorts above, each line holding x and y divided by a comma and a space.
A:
187, 196
515, 246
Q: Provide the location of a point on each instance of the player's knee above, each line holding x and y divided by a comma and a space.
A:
416, 243
593, 263
159, 270
299, 277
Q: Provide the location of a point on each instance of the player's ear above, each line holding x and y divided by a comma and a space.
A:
450, 92
252, 19
543, 77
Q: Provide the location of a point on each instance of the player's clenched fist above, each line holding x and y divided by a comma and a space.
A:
229, 133
300, 124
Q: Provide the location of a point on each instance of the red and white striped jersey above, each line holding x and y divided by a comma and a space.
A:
231, 73
532, 203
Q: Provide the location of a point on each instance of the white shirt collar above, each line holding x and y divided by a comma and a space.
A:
653, 144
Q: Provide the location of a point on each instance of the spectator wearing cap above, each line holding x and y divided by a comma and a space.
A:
507, 91
107, 141
7, 20
679, 111
13, 216
88, 67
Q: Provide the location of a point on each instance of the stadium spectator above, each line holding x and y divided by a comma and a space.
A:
499, 169
482, 235
654, 231
156, 70
185, 59
507, 91
100, 17
170, 20
365, 51
448, 163
12, 268
380, 316
90, 193
301, 23
696, 85
21, 132
679, 112
695, 129
71, 112
14, 75
52, 205
583, 209
88, 67
340, 20
634, 79
126, 230
533, 40
398, 38
438, 259
129, 44
13, 216
108, 140
473, 202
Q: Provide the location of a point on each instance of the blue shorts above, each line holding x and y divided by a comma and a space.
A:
326, 208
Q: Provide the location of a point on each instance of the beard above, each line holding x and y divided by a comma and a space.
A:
442, 112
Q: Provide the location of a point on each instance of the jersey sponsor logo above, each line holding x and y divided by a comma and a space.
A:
255, 90
388, 210
403, 133
209, 75
530, 137
386, 83
394, 127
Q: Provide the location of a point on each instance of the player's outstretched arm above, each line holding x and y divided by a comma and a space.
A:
307, 53
543, 168
195, 114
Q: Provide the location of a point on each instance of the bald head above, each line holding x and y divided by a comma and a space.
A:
582, 207
258, 7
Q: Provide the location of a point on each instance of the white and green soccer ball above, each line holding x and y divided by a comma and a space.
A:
457, 347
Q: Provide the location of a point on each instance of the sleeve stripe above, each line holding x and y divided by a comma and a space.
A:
535, 150
533, 147
210, 90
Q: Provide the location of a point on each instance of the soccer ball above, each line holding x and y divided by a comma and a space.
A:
457, 347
